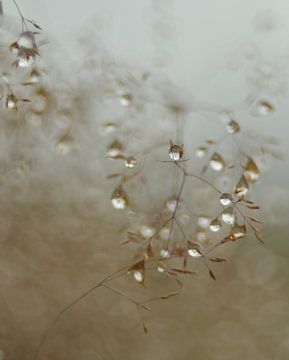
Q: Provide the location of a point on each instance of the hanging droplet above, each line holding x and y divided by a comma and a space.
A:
225, 199
161, 268
228, 216
138, 276
165, 253
130, 162
217, 163
25, 58
194, 253
115, 150
201, 151
241, 187
215, 225
11, 102
201, 236
238, 232
119, 198
27, 40
164, 233
108, 128
147, 231
40, 103
184, 218
64, 144
171, 204
176, 151
203, 221
14, 47
34, 77
126, 99
251, 172
233, 127
264, 107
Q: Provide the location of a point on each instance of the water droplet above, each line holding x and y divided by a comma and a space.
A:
25, 58
161, 269
238, 232
241, 187
201, 151
233, 127
138, 276
251, 172
11, 102
115, 150
147, 231
228, 216
203, 221
164, 233
165, 253
64, 144
264, 107
194, 253
215, 225
130, 162
217, 163
27, 40
107, 128
172, 204
184, 218
14, 47
119, 198
126, 99
201, 236
225, 199
176, 152
34, 77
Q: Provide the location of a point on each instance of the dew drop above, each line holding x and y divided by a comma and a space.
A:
126, 100
201, 151
215, 225
64, 144
171, 204
27, 40
217, 162
34, 77
228, 216
233, 127
201, 236
164, 233
225, 199
14, 47
138, 276
184, 218
242, 188
25, 58
165, 253
238, 232
119, 198
115, 150
194, 253
147, 231
176, 152
251, 172
264, 107
11, 102
203, 221
130, 162
107, 128
161, 269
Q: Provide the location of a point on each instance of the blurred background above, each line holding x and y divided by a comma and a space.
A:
213, 52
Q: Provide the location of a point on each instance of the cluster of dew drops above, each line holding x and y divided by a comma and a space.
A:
232, 215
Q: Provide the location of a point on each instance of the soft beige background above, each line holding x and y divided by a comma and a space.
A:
200, 46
